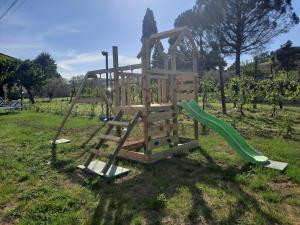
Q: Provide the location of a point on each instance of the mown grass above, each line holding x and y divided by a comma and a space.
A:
211, 185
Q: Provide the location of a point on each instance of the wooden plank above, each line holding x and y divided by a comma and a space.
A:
123, 90
180, 149
129, 110
159, 77
133, 145
110, 137
118, 123
102, 141
172, 72
161, 129
185, 78
162, 141
111, 70
90, 100
168, 33
160, 107
122, 141
116, 76
155, 117
185, 87
135, 156
135, 75
185, 96
128, 90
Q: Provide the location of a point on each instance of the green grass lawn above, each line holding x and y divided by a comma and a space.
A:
211, 185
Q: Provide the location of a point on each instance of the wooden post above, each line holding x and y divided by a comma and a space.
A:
123, 89
128, 89
195, 70
174, 96
116, 81
146, 93
116, 75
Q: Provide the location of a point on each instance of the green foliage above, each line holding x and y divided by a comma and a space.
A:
242, 90
287, 57
149, 25
47, 65
287, 131
283, 86
206, 86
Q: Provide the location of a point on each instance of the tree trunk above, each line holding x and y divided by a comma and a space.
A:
2, 91
241, 110
223, 98
234, 104
281, 105
238, 63
274, 110
31, 98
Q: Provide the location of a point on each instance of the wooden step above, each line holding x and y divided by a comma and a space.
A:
100, 154
110, 137
118, 123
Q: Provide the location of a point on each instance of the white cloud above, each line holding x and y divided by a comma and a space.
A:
75, 64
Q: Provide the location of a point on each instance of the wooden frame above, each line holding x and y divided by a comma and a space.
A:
159, 120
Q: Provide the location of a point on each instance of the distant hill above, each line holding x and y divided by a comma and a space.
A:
4, 57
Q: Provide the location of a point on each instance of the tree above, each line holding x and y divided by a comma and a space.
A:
56, 87
149, 25
149, 28
287, 57
7, 75
245, 25
206, 86
30, 76
47, 64
283, 86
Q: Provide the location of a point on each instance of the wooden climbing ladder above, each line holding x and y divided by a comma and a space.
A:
108, 169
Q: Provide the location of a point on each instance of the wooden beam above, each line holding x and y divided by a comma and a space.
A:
161, 129
89, 100
111, 70
185, 87
162, 141
172, 72
169, 33
155, 117
185, 96
180, 149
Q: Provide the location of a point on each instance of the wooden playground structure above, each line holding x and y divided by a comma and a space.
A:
158, 116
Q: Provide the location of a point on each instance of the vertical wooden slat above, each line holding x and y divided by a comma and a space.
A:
123, 90
128, 90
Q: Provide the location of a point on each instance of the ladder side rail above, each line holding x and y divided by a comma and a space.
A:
120, 144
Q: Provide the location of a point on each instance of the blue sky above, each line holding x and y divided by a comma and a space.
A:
74, 32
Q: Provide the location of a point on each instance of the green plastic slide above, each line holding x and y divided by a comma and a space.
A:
234, 139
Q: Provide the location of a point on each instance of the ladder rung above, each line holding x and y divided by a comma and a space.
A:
118, 123
110, 137
100, 154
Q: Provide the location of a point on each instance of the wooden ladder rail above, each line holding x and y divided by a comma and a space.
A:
121, 142
102, 141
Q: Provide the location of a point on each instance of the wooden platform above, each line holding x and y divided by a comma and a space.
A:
132, 109
96, 167
184, 146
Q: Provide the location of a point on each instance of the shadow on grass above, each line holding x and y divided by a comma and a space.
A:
122, 201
